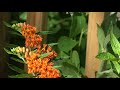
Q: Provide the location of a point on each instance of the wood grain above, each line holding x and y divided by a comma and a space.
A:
92, 64
4, 16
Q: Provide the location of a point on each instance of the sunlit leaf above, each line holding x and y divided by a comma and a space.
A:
117, 66
114, 43
106, 56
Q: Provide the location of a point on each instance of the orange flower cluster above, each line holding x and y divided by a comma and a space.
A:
41, 67
32, 39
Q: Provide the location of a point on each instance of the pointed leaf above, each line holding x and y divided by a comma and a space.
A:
9, 52
17, 60
7, 24
23, 16
114, 43
106, 56
14, 68
53, 44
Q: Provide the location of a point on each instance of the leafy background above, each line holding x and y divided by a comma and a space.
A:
67, 35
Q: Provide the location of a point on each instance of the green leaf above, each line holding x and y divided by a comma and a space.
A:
117, 66
106, 56
114, 43
107, 74
23, 16
116, 31
107, 39
17, 60
70, 70
57, 67
16, 33
9, 52
10, 45
78, 23
82, 22
14, 68
66, 44
63, 55
46, 32
53, 44
101, 37
75, 59
21, 76
6, 24
44, 55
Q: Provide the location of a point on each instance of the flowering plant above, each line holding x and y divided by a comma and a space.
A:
37, 56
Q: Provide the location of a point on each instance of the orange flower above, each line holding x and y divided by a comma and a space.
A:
41, 67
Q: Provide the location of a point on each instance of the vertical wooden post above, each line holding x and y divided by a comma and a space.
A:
4, 16
92, 64
39, 20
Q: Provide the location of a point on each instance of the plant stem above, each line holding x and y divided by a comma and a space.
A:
103, 66
80, 39
71, 24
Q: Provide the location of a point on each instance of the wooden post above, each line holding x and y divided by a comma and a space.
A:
4, 16
39, 20
92, 64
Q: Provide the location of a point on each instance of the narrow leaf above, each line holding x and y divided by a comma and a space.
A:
9, 52
53, 44
22, 76
14, 68
44, 55
17, 60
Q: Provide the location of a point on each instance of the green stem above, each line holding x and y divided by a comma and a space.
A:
102, 67
71, 25
80, 39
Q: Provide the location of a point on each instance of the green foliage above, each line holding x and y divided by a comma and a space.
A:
15, 68
117, 66
75, 59
112, 49
114, 43
101, 37
21, 76
66, 44
78, 23
65, 33
106, 56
